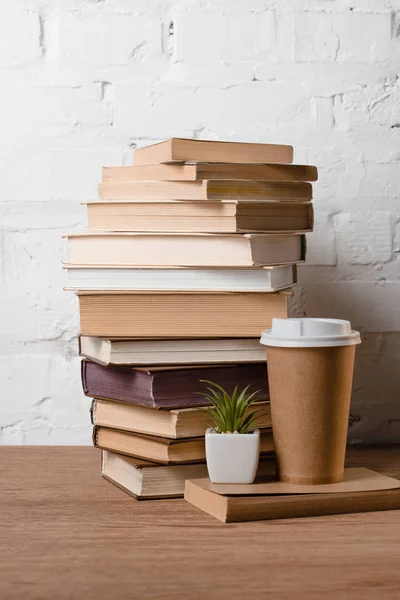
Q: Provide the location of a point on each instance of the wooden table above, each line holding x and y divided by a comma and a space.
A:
65, 533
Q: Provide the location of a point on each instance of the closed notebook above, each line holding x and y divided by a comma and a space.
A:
199, 171
206, 190
182, 150
256, 279
185, 250
176, 315
362, 490
171, 352
174, 424
145, 480
200, 217
159, 449
168, 387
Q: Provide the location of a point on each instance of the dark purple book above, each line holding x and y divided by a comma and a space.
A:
169, 388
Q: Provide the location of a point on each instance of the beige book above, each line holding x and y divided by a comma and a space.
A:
186, 250
174, 424
183, 150
203, 217
362, 490
161, 450
206, 190
179, 315
200, 171
146, 480
171, 352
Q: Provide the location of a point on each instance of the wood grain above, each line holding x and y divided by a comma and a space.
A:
66, 533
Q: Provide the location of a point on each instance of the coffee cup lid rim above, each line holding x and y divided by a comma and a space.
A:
310, 333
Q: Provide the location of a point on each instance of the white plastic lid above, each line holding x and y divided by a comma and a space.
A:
310, 333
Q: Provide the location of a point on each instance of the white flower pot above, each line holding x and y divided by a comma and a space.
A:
232, 457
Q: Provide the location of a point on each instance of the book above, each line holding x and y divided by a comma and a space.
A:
183, 150
171, 352
229, 504
179, 314
176, 216
168, 387
174, 424
206, 190
159, 449
199, 171
264, 279
143, 479
186, 250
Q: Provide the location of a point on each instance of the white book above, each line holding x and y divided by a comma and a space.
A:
171, 352
185, 250
266, 279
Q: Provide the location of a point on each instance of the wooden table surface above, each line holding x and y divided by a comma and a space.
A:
66, 533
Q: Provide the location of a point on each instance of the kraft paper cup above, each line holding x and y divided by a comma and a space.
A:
310, 366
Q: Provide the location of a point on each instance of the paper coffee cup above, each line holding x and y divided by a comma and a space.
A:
310, 366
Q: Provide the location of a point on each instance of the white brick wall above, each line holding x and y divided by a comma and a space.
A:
83, 82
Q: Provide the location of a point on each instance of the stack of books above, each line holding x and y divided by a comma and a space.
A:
188, 256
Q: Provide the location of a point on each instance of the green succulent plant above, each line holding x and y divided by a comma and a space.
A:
230, 412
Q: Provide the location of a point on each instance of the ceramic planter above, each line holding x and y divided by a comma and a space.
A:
232, 457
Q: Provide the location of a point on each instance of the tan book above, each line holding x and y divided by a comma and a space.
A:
161, 450
183, 150
211, 171
203, 217
179, 315
206, 190
145, 480
186, 250
174, 424
171, 352
362, 490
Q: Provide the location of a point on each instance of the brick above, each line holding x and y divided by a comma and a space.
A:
105, 38
20, 33
343, 37
52, 109
321, 243
364, 237
205, 36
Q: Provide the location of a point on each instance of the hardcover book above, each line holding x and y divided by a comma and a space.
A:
145, 480
159, 449
256, 279
225, 217
171, 352
179, 314
174, 424
185, 250
199, 171
362, 490
171, 387
182, 150
206, 190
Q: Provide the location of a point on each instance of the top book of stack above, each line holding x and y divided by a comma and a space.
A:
177, 150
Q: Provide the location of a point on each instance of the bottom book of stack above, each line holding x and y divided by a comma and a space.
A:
145, 480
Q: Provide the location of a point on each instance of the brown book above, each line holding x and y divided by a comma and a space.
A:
161, 450
145, 480
176, 315
206, 190
174, 424
200, 171
203, 217
171, 352
232, 505
184, 150
185, 250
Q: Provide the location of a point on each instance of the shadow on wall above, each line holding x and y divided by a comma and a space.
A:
375, 407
